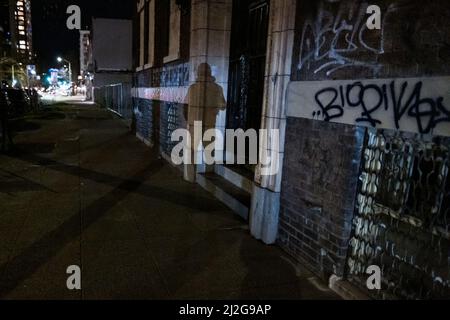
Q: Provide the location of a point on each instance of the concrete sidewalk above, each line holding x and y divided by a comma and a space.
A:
81, 190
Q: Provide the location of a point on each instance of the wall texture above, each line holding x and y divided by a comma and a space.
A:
318, 191
322, 159
333, 42
112, 36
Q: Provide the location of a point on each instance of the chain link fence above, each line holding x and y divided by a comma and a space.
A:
117, 98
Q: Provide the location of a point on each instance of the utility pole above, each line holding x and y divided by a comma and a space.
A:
70, 70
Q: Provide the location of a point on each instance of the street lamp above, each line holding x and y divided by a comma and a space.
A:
70, 67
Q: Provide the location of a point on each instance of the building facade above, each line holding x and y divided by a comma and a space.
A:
112, 51
86, 62
362, 118
16, 45
21, 30
85, 51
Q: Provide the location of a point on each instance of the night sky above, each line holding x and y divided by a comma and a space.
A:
51, 38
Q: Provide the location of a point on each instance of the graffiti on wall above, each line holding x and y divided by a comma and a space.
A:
330, 42
402, 217
420, 105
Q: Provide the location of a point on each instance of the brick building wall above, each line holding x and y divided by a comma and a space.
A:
321, 169
322, 160
414, 40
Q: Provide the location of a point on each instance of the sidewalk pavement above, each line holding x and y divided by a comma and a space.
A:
81, 190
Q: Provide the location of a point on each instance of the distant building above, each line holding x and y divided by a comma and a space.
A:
16, 48
86, 63
112, 46
112, 50
85, 51
21, 31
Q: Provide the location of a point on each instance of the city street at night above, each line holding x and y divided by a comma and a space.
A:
80, 190
224, 158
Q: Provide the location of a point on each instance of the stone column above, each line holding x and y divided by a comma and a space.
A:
151, 34
264, 213
141, 38
210, 44
174, 32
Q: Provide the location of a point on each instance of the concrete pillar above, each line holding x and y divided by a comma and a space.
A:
151, 34
264, 213
174, 32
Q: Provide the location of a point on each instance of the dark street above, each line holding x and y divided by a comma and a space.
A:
224, 151
79, 189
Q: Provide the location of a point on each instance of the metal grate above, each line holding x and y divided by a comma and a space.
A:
116, 97
172, 125
172, 118
402, 220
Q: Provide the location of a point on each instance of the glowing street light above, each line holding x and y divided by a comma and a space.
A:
60, 59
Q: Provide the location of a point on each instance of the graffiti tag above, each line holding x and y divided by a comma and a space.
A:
332, 42
416, 104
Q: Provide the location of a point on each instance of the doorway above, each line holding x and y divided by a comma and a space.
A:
249, 33
247, 63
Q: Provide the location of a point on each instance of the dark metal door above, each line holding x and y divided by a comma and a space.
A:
247, 63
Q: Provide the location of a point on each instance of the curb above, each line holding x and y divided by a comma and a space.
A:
346, 290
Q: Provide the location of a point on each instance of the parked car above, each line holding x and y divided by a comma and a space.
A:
20, 102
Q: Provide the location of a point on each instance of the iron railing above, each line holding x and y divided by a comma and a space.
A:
117, 98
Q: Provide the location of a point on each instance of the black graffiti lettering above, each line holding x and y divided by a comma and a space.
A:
399, 108
442, 109
367, 112
423, 115
341, 91
350, 89
428, 112
328, 108
385, 96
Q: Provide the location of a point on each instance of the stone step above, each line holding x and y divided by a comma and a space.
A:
235, 198
241, 178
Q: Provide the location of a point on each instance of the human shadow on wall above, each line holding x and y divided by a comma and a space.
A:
205, 100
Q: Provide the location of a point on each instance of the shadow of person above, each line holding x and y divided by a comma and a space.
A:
205, 100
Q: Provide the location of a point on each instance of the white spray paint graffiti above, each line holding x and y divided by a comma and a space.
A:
329, 42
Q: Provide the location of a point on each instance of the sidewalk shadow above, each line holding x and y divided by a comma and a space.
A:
30, 259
